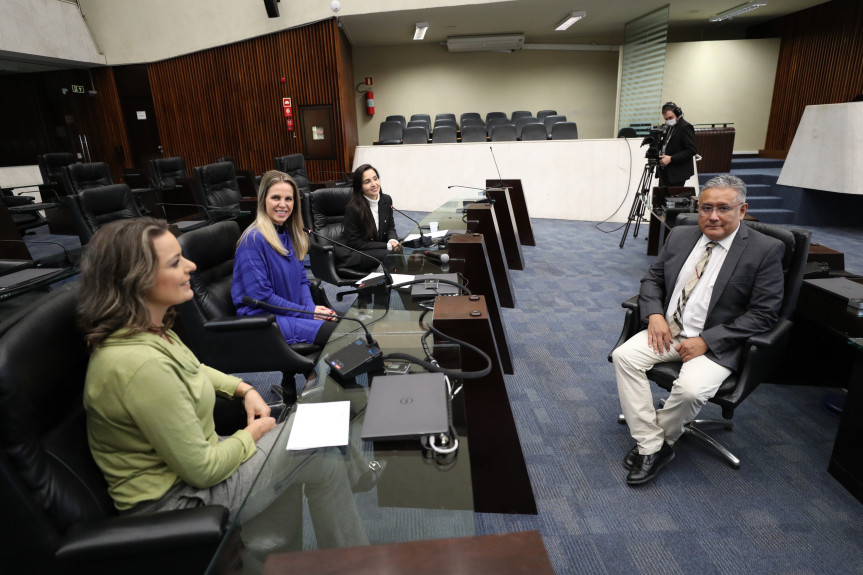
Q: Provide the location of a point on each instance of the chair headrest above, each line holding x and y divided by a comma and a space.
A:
106, 204
85, 176
51, 165
212, 249
219, 184
328, 207
165, 171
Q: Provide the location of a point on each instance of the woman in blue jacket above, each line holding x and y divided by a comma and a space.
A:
269, 267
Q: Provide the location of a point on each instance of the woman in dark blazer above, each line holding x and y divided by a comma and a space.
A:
368, 225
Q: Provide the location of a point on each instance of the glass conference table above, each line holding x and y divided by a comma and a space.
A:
396, 490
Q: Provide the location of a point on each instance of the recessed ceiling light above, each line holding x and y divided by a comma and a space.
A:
420, 31
738, 10
570, 19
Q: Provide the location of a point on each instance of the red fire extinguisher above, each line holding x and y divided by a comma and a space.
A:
370, 103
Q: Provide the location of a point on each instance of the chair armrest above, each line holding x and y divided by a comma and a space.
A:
151, 533
631, 322
323, 263
319, 294
762, 354
237, 323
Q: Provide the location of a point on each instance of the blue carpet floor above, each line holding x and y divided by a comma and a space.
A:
780, 513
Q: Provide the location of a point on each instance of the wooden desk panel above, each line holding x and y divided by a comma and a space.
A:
519, 208
501, 554
509, 237
481, 219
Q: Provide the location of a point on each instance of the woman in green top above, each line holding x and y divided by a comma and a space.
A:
149, 401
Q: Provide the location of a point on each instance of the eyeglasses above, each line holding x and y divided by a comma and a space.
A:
707, 209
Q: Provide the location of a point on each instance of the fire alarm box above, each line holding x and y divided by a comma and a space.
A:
289, 123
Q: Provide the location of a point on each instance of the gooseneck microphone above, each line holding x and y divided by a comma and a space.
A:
424, 240
353, 359
388, 279
252, 302
466, 188
499, 179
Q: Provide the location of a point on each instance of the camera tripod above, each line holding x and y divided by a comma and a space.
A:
639, 204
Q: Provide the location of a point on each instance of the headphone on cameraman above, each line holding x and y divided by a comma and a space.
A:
674, 108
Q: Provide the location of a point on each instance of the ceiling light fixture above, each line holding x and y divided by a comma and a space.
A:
420, 32
570, 19
739, 10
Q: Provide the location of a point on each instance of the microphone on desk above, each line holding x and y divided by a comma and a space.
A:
368, 285
499, 179
423, 240
485, 200
348, 362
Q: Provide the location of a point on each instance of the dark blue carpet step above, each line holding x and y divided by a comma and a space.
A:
773, 216
755, 164
764, 202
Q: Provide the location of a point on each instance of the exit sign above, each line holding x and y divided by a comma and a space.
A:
77, 89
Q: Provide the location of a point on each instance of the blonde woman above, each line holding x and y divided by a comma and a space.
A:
269, 267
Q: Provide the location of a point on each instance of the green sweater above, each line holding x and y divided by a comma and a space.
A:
150, 421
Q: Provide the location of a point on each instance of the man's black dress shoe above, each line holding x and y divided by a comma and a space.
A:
629, 460
646, 467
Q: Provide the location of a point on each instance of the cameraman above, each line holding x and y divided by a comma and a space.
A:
678, 148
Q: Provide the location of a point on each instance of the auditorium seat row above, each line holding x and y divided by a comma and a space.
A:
497, 129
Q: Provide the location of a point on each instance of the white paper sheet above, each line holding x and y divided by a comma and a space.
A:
320, 425
437, 234
397, 278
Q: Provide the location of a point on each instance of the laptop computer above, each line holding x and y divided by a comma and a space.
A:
406, 407
431, 287
26, 277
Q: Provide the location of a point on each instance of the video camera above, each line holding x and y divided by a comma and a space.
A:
654, 141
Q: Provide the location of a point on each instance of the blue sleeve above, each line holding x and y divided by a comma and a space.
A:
255, 277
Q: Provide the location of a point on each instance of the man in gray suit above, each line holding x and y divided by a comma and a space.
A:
710, 288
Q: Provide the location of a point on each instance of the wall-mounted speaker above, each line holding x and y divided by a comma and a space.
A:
272, 7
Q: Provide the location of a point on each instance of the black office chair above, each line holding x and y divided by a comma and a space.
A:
550, 121
174, 194
327, 207
533, 132
444, 135
416, 135
564, 131
57, 514
79, 177
295, 166
542, 114
473, 134
627, 133
216, 188
390, 132
212, 329
51, 166
762, 352
503, 133
95, 207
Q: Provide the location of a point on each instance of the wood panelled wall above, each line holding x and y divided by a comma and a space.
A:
37, 117
819, 63
227, 101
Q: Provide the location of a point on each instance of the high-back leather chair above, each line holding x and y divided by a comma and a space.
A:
165, 172
51, 166
57, 514
217, 188
762, 353
295, 166
98, 206
327, 207
79, 177
213, 330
